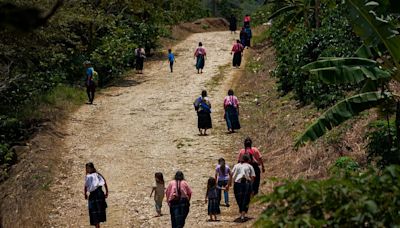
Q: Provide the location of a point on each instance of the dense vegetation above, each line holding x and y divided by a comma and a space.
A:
326, 51
41, 62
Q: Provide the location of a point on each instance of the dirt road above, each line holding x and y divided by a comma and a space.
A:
143, 125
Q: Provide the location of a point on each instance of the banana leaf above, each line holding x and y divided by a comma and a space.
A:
345, 70
341, 112
373, 31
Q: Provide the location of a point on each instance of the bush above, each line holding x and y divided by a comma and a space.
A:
364, 200
344, 166
381, 146
299, 46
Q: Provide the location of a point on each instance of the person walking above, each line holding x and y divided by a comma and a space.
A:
243, 175
90, 81
97, 205
249, 36
243, 37
140, 55
246, 20
158, 190
171, 60
237, 51
202, 106
178, 195
212, 198
255, 160
222, 175
232, 24
200, 56
231, 107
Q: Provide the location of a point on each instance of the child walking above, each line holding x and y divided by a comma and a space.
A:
158, 190
222, 175
212, 197
171, 59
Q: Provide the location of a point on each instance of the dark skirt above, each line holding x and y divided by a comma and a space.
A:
200, 62
213, 207
237, 59
233, 26
139, 63
232, 118
242, 195
256, 183
97, 207
248, 41
179, 210
204, 120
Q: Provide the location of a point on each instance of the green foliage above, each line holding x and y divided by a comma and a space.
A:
381, 145
364, 200
298, 46
344, 166
341, 112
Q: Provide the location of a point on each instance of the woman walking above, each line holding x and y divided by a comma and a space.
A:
231, 107
246, 20
232, 24
140, 55
178, 195
90, 81
243, 37
202, 106
200, 56
249, 36
255, 160
243, 176
237, 51
222, 175
97, 199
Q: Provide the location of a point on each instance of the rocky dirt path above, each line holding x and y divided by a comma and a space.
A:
143, 125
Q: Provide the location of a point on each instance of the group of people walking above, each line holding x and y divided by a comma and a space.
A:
202, 106
244, 177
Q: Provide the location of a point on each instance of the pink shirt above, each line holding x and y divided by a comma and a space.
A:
200, 51
253, 151
237, 48
247, 19
231, 100
171, 191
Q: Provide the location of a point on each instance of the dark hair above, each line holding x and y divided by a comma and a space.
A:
238, 41
222, 166
91, 167
159, 176
230, 92
247, 142
246, 158
211, 183
200, 44
169, 50
179, 176
204, 93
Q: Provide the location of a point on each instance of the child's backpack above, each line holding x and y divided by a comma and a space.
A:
95, 77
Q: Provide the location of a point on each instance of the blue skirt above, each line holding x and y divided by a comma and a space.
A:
200, 62
179, 210
213, 207
97, 207
232, 118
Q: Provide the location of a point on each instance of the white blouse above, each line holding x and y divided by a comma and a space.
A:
93, 181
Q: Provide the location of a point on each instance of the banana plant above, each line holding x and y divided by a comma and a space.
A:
380, 35
293, 10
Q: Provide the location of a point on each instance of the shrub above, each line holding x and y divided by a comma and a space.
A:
364, 200
344, 166
381, 146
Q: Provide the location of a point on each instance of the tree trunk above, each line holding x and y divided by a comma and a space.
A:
317, 9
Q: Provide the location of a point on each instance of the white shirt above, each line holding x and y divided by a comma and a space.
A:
242, 170
93, 181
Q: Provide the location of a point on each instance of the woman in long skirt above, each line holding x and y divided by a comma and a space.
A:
249, 36
140, 56
178, 195
243, 176
243, 37
202, 106
97, 199
200, 56
231, 107
237, 51
233, 24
